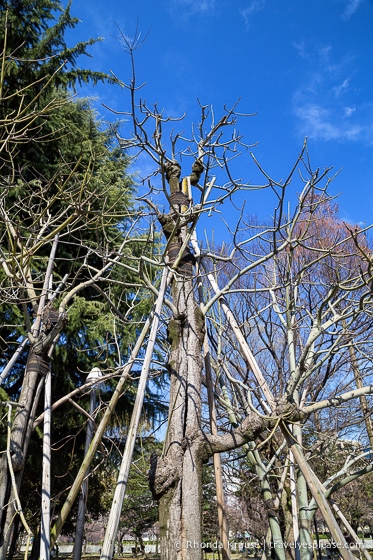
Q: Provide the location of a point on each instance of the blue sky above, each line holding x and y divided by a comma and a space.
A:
304, 67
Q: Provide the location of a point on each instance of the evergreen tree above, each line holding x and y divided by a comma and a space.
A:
38, 68
33, 34
61, 177
140, 510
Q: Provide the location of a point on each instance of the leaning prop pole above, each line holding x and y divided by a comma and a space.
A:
120, 490
220, 499
248, 355
46, 479
75, 488
316, 490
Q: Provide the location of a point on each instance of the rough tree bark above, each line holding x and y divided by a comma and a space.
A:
37, 366
177, 480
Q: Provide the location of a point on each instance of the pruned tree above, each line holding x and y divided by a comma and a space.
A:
176, 475
274, 327
284, 309
303, 304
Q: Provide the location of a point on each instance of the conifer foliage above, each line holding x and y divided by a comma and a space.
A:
33, 32
70, 297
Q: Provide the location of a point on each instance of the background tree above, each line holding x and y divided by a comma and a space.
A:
321, 268
66, 203
140, 511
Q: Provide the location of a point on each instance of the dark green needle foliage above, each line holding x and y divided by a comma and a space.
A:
34, 35
140, 510
62, 162
61, 172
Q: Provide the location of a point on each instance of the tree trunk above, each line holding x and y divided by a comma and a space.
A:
20, 433
176, 477
38, 365
180, 526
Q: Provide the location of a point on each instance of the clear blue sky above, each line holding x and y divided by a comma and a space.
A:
304, 67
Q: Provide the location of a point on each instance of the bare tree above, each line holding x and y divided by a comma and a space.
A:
304, 303
280, 317
301, 313
46, 227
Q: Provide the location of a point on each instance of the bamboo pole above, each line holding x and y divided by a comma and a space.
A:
13, 360
116, 508
46, 475
317, 492
75, 488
